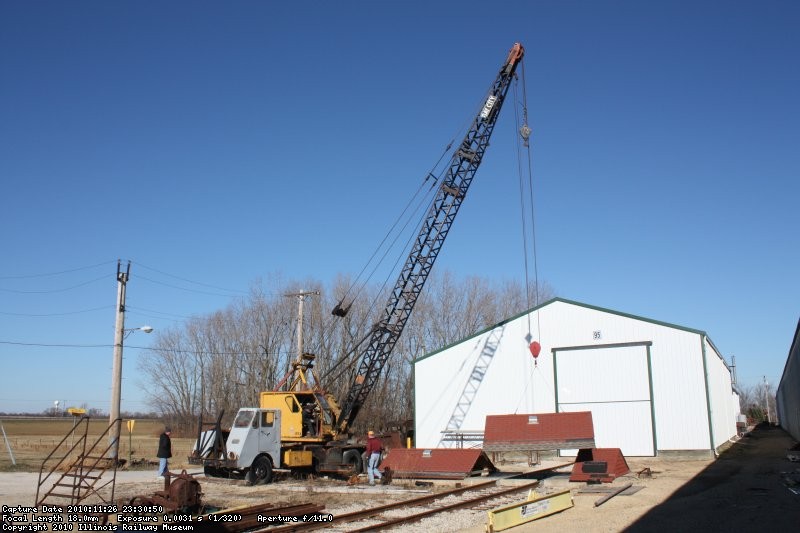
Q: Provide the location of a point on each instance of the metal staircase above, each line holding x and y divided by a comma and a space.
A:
79, 472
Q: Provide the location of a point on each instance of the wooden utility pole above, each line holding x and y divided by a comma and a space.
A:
301, 296
116, 370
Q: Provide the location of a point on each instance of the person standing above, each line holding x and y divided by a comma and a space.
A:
164, 452
374, 449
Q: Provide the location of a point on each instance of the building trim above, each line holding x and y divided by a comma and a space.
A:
561, 300
647, 345
708, 395
652, 398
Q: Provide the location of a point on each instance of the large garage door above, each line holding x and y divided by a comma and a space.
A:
613, 382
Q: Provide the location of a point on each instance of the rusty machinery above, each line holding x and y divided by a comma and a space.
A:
181, 494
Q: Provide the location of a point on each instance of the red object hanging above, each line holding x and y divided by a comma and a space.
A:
535, 348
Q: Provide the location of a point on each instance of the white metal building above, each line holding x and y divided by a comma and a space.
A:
788, 395
653, 388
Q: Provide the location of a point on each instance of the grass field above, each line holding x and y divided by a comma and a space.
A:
32, 439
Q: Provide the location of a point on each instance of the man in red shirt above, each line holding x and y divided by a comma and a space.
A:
374, 449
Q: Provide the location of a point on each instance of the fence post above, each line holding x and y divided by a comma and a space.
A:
8, 444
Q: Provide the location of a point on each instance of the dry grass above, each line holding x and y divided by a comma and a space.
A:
31, 441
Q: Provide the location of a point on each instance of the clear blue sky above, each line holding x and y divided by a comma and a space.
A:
223, 141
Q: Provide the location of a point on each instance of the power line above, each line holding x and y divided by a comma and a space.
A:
104, 308
56, 273
55, 290
151, 348
58, 345
188, 280
184, 288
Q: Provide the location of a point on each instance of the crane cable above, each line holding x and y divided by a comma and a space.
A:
423, 200
524, 134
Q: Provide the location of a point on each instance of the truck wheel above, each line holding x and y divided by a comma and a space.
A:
211, 471
353, 459
261, 471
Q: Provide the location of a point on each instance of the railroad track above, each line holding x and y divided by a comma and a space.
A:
409, 511
312, 517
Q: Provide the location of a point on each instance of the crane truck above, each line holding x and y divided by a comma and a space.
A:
304, 428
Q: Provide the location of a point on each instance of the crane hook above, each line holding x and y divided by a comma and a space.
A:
525, 132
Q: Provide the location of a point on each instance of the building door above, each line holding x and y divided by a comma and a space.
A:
614, 382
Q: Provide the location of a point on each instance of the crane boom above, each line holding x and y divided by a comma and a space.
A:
451, 192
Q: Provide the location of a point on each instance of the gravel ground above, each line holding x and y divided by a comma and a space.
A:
744, 490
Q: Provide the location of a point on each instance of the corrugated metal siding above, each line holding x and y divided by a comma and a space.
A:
513, 384
603, 375
720, 388
788, 395
614, 384
623, 425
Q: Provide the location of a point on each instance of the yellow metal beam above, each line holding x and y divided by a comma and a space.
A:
534, 507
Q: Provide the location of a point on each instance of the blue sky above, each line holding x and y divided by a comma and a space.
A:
224, 142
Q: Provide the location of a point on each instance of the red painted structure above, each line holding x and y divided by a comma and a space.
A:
537, 432
436, 463
599, 465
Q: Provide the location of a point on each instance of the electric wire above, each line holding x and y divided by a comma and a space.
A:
103, 308
52, 291
138, 310
149, 348
27, 276
238, 291
184, 288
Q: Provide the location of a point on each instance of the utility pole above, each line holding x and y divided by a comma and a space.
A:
733, 368
766, 399
116, 370
301, 296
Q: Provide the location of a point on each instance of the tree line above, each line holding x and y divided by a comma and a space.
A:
222, 361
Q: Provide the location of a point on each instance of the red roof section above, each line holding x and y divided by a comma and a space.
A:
541, 427
442, 463
599, 464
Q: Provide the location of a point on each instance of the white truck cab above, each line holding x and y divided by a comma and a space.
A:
253, 446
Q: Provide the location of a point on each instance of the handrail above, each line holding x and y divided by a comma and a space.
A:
82, 467
74, 445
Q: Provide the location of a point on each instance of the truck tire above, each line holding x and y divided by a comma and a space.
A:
353, 459
261, 471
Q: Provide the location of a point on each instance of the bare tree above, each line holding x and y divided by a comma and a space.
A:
758, 402
224, 360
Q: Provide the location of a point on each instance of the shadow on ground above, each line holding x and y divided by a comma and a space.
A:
746, 489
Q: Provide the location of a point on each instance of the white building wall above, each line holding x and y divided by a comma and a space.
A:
513, 384
720, 388
788, 394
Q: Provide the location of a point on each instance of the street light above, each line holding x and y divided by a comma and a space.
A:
146, 329
116, 381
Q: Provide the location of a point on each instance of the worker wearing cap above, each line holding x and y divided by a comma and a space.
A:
374, 449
